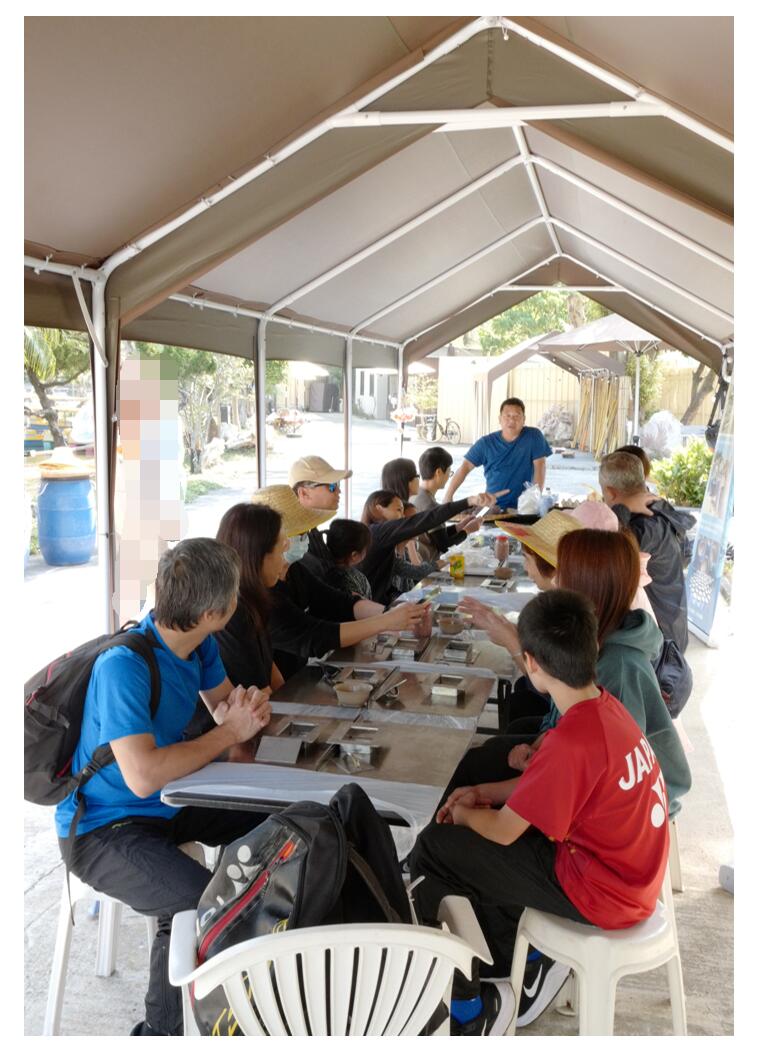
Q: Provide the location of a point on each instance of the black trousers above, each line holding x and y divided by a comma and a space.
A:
137, 860
499, 881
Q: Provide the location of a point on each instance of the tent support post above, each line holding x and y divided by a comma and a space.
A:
636, 410
400, 392
102, 428
348, 420
261, 403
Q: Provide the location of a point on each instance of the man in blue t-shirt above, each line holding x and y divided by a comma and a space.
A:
126, 844
513, 457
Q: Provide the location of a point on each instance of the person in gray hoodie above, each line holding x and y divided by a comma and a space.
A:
660, 531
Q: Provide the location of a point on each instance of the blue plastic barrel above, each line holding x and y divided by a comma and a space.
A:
66, 520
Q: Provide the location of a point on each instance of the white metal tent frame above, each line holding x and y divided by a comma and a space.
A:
642, 103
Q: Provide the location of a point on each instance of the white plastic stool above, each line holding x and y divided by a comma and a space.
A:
601, 958
109, 922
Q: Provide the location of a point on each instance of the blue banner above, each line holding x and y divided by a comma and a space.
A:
707, 564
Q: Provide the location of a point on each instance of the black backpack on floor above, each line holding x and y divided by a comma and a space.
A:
53, 711
308, 865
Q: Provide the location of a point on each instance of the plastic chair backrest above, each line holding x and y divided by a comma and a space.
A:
340, 980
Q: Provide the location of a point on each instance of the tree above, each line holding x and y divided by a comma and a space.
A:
52, 358
702, 383
554, 309
650, 381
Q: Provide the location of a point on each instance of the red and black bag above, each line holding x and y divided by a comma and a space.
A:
308, 865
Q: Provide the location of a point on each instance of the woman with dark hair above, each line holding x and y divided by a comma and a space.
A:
401, 476
267, 619
605, 567
383, 514
347, 542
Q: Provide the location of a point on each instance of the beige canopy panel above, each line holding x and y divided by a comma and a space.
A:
360, 190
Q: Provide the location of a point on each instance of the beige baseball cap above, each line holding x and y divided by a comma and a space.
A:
316, 469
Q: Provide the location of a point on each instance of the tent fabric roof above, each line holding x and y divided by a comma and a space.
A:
640, 203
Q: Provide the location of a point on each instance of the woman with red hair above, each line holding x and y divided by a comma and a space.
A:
605, 567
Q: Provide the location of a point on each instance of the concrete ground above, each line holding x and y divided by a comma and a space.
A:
96, 1006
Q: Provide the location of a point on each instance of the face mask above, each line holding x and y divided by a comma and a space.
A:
297, 549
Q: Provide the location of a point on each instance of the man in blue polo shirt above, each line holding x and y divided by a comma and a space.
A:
513, 457
127, 843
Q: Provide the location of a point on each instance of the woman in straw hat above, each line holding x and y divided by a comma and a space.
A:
271, 632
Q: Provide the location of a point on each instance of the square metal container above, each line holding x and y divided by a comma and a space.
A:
448, 689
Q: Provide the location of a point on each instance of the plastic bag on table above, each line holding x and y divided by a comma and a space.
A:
529, 500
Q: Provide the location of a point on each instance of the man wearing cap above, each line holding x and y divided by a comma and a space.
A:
317, 487
512, 457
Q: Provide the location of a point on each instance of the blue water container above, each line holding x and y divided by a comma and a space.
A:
66, 520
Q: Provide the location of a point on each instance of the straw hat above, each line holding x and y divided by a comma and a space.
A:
543, 536
296, 519
317, 470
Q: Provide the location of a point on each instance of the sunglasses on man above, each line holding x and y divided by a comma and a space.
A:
332, 488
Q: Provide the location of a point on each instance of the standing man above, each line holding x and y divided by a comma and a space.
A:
513, 456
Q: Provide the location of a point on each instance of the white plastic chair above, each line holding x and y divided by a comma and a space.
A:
599, 959
109, 922
675, 870
403, 971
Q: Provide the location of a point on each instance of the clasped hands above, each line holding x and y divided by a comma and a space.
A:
245, 711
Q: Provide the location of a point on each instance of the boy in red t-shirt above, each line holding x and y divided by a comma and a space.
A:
582, 833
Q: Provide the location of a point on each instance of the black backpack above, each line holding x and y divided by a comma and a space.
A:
674, 676
53, 710
308, 865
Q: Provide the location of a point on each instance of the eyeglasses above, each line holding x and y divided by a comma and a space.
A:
332, 488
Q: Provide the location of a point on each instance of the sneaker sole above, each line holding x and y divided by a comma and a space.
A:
555, 978
506, 1012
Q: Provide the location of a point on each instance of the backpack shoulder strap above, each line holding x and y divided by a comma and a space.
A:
366, 873
145, 646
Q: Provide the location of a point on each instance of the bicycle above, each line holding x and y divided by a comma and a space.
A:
431, 430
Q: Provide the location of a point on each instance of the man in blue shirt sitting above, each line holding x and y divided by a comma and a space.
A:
513, 457
127, 841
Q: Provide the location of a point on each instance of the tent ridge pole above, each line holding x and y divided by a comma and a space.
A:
637, 92
298, 143
649, 304
398, 232
630, 263
501, 117
535, 184
449, 273
631, 211
484, 297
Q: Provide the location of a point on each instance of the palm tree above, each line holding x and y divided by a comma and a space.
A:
53, 357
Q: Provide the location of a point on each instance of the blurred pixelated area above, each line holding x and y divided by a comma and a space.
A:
148, 501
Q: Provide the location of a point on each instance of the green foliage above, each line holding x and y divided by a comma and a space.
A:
548, 310
422, 391
196, 488
682, 478
54, 357
651, 377
276, 371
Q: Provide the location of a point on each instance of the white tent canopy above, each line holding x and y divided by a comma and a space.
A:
360, 191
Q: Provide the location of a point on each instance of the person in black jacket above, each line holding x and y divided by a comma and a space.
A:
383, 513
276, 628
660, 531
